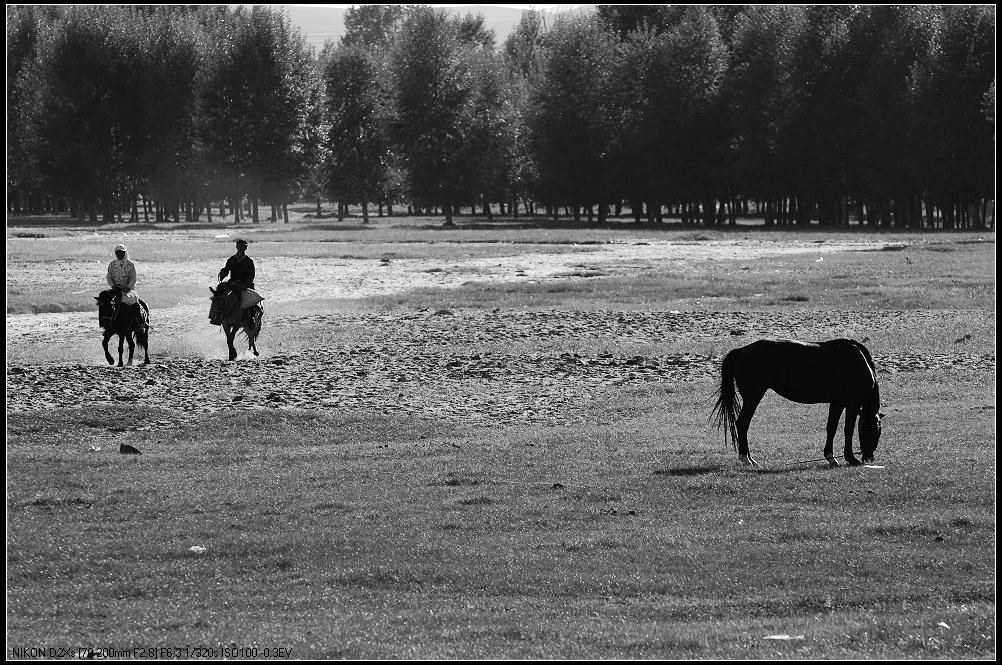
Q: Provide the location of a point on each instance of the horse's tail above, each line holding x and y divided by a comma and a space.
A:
143, 336
725, 412
256, 323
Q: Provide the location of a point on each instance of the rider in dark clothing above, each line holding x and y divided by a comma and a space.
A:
240, 267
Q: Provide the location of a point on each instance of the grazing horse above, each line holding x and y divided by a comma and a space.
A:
227, 312
839, 372
126, 321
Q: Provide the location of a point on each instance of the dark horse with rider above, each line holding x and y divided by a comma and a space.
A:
235, 304
120, 310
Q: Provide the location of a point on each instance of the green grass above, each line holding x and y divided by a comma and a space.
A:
921, 278
355, 533
364, 536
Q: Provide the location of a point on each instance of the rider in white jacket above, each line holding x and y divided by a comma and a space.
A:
122, 276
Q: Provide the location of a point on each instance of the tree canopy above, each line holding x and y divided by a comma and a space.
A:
880, 115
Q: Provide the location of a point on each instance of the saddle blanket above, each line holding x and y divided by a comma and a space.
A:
249, 298
129, 297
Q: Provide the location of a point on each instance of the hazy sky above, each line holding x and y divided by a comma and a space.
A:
460, 4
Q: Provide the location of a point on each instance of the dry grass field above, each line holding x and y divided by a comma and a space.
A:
493, 441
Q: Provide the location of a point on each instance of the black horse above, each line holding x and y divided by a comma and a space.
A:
839, 372
227, 312
130, 322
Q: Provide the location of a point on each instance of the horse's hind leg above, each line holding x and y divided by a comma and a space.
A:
851, 413
751, 400
132, 347
834, 413
143, 340
121, 349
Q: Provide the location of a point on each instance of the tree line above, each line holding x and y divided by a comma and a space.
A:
877, 115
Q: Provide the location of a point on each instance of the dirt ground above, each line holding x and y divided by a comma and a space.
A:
291, 279
419, 362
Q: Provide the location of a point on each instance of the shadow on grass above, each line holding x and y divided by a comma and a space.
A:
716, 468
689, 471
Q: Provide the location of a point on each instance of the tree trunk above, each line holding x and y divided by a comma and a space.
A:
107, 209
447, 208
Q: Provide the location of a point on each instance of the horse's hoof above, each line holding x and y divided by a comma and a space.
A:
832, 463
747, 460
852, 461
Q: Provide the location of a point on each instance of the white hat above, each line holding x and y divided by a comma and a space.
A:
121, 247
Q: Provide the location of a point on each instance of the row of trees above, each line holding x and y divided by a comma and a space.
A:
883, 114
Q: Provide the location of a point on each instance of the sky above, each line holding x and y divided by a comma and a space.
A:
321, 23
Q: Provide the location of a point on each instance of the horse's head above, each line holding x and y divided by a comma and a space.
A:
222, 289
869, 435
105, 303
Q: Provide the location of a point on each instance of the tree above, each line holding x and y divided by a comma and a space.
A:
168, 167
372, 25
356, 144
688, 108
255, 106
760, 98
523, 53
23, 26
570, 115
625, 20
959, 148
435, 105
820, 137
84, 136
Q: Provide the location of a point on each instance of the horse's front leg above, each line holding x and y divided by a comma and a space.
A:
230, 334
834, 414
104, 344
743, 423
121, 349
851, 412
